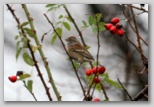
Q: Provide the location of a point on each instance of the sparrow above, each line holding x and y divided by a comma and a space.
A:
76, 51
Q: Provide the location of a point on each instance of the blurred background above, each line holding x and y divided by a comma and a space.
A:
119, 57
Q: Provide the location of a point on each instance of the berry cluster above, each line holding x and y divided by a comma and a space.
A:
115, 27
96, 70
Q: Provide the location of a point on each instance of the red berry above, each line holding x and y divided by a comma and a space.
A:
95, 70
96, 99
118, 26
88, 72
96, 80
120, 32
113, 29
115, 20
13, 78
101, 69
108, 26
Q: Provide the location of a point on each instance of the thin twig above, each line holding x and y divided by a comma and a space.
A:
134, 45
128, 18
73, 21
141, 93
97, 57
75, 70
105, 94
31, 52
137, 33
125, 90
133, 27
51, 81
138, 8
42, 38
77, 28
145, 96
29, 90
93, 90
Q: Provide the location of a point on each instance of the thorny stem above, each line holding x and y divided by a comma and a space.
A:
41, 53
75, 70
137, 33
29, 90
32, 54
125, 90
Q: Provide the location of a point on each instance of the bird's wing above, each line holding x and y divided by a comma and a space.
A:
81, 50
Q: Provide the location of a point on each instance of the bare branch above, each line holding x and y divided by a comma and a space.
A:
125, 90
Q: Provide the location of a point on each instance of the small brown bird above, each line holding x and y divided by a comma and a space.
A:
76, 51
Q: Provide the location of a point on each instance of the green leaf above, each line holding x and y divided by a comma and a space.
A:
17, 45
101, 26
59, 5
52, 8
105, 75
69, 19
95, 29
90, 80
84, 64
58, 22
24, 76
95, 63
84, 23
87, 47
91, 20
16, 37
53, 39
113, 83
95, 22
67, 26
50, 5
76, 64
28, 59
98, 87
35, 48
30, 85
59, 31
25, 41
18, 53
106, 100
99, 15
29, 32
61, 16
20, 34
25, 23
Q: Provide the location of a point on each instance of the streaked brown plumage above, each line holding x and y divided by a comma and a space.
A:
77, 51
